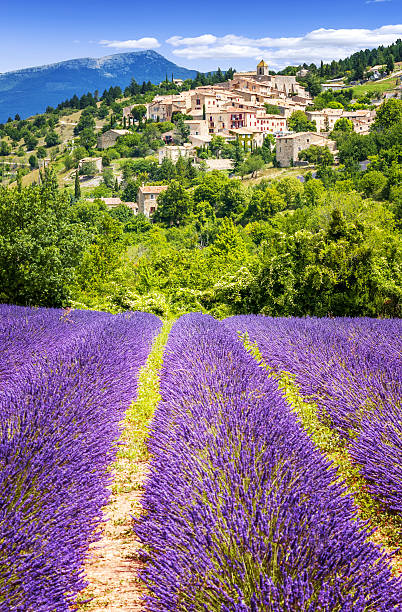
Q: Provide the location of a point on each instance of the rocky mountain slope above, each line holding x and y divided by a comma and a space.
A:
31, 90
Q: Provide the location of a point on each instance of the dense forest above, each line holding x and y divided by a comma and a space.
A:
329, 244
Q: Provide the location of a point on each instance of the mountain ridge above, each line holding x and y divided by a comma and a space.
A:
29, 91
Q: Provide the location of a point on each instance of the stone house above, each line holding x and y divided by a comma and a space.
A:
288, 147
361, 119
197, 127
173, 152
325, 119
109, 138
249, 138
147, 198
91, 160
162, 107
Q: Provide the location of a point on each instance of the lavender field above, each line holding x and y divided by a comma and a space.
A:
241, 511
352, 370
66, 380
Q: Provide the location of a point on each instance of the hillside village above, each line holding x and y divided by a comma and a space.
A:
250, 110
236, 110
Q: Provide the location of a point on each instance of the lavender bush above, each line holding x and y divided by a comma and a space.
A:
242, 512
75, 375
352, 370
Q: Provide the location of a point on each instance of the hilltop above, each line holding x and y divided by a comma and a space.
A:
32, 90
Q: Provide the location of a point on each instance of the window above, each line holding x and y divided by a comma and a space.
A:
152, 196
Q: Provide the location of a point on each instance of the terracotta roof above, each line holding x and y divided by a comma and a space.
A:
153, 188
297, 134
107, 201
120, 132
262, 64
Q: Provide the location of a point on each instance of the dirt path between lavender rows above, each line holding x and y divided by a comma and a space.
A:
113, 566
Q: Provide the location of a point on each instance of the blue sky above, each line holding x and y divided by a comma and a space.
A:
200, 35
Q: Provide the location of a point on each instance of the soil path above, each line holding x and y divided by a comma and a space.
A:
113, 566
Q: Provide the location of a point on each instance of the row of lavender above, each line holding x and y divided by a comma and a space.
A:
352, 370
66, 379
242, 512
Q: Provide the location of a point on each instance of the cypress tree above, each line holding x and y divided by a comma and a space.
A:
77, 188
390, 63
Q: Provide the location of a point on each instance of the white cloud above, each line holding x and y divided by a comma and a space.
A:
324, 43
140, 43
205, 39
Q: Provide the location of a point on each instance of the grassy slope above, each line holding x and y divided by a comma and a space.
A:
381, 86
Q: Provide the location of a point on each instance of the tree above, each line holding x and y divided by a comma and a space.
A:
343, 125
373, 184
217, 144
181, 132
40, 246
318, 155
251, 165
138, 113
313, 85
30, 140
87, 138
41, 152
33, 161
233, 199
390, 63
388, 114
210, 188
103, 255
88, 168
167, 170
238, 155
299, 122
5, 148
313, 191
174, 205
108, 177
272, 109
77, 188
264, 204
291, 190
86, 121
52, 139
268, 145
358, 72
228, 242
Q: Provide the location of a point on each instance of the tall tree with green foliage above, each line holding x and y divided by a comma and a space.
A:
299, 122
40, 246
174, 204
388, 114
77, 187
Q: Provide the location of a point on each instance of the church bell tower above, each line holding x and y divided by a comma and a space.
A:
262, 69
